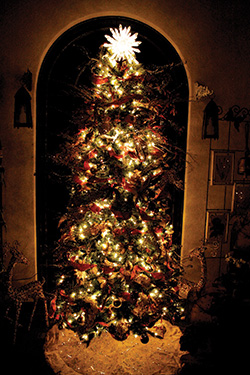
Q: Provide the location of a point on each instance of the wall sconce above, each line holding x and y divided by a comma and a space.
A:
22, 109
236, 115
211, 121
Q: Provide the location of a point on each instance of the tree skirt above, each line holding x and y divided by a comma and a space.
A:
106, 356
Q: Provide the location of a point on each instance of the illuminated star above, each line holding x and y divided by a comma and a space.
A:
122, 45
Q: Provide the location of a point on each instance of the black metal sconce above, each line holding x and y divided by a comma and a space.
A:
22, 109
236, 115
211, 121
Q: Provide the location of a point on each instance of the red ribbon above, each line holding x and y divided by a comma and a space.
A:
127, 297
127, 186
99, 80
144, 216
136, 269
107, 269
52, 308
95, 208
135, 231
125, 99
158, 275
103, 324
80, 266
86, 165
79, 181
113, 154
92, 154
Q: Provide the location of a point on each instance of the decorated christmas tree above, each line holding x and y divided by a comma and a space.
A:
118, 266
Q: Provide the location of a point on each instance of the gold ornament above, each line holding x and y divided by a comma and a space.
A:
102, 281
159, 329
143, 280
144, 307
117, 303
80, 275
120, 330
91, 311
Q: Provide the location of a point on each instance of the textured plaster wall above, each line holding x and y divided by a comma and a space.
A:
212, 38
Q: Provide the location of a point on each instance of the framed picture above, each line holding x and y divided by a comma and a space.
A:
217, 226
242, 166
241, 198
222, 168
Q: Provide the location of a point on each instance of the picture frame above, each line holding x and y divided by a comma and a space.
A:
241, 166
222, 168
217, 224
241, 197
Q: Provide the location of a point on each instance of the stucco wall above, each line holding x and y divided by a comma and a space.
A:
212, 39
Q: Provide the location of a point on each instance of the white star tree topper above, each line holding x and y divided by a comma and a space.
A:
122, 45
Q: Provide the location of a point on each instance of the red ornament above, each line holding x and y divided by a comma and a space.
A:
86, 165
158, 275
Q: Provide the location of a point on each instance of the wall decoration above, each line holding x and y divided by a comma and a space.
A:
244, 166
236, 115
202, 91
217, 226
210, 127
241, 198
222, 168
22, 109
240, 164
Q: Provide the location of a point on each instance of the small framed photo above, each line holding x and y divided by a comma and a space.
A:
217, 226
222, 168
242, 165
241, 198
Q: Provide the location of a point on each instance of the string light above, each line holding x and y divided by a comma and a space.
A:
115, 246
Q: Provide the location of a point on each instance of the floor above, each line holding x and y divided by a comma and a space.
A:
27, 355
107, 356
216, 337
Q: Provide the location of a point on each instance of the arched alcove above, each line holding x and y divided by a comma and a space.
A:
63, 70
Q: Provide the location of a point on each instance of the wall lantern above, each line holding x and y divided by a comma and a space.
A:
22, 109
211, 121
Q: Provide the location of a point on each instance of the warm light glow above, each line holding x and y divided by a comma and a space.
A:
123, 44
118, 239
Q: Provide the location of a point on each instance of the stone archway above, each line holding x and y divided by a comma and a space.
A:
62, 71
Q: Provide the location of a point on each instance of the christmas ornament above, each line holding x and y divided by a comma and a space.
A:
120, 330
159, 329
144, 338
